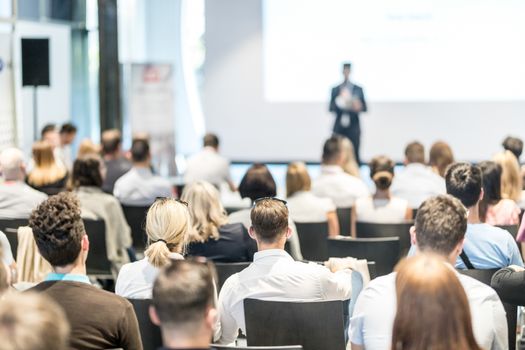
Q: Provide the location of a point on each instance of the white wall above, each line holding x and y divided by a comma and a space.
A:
7, 109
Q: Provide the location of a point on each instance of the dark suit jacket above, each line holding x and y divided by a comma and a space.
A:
354, 116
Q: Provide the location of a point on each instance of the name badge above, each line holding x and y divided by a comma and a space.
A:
345, 120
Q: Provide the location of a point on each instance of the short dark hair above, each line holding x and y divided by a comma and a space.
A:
269, 219
332, 149
347, 65
210, 140
47, 128
464, 181
415, 152
86, 171
111, 140
257, 183
182, 293
513, 144
68, 128
491, 172
441, 223
58, 228
139, 150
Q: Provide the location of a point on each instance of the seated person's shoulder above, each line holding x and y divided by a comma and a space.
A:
379, 288
477, 290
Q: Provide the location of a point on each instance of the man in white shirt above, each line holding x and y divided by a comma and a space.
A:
333, 182
440, 228
139, 186
208, 165
17, 199
68, 132
274, 275
417, 182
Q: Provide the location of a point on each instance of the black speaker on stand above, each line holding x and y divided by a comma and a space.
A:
35, 70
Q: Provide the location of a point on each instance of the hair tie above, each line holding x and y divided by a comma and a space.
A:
161, 240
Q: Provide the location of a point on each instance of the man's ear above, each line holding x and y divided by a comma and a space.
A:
212, 317
288, 233
413, 238
85, 243
154, 316
459, 246
251, 232
481, 195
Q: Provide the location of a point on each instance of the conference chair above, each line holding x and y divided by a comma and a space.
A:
225, 270
485, 276
136, 218
377, 230
10, 228
97, 264
312, 239
344, 215
513, 229
314, 325
149, 332
383, 251
226, 347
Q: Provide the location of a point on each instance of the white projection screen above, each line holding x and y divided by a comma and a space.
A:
431, 70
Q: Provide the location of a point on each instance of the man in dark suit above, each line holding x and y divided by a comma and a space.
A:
347, 101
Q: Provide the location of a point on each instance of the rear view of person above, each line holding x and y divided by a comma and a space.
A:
116, 164
440, 157
46, 176
511, 181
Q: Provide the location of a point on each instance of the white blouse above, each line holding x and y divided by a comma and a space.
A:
388, 211
307, 207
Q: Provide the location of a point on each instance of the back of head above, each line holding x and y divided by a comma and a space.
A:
382, 172
12, 164
415, 153
258, 182
140, 151
87, 171
514, 145
182, 294
511, 181
206, 210
87, 148
43, 154
441, 157
441, 223
333, 150
111, 141
68, 128
297, 178
464, 181
491, 186
167, 225
432, 307
350, 165
32, 321
210, 140
269, 219
58, 229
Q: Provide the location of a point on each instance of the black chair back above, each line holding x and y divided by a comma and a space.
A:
149, 333
485, 276
226, 347
383, 251
513, 229
136, 218
10, 228
344, 215
314, 325
97, 263
312, 239
225, 270
376, 230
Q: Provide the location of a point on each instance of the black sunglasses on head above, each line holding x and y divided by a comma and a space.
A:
164, 199
269, 198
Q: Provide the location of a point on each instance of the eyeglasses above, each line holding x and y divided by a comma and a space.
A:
165, 199
269, 198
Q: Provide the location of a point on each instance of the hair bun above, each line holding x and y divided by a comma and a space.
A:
383, 179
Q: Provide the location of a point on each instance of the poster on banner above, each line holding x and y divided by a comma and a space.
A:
151, 112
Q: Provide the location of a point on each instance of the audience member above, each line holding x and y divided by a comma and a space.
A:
68, 132
509, 283
50, 134
47, 175
211, 235
167, 225
511, 181
417, 182
274, 274
258, 183
440, 157
333, 182
381, 207
98, 319
208, 165
87, 179
432, 307
32, 321
17, 199
440, 227
139, 186
486, 246
350, 165
493, 209
183, 305
304, 206
514, 145
87, 148
116, 164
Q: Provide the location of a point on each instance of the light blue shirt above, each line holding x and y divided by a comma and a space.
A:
141, 187
67, 277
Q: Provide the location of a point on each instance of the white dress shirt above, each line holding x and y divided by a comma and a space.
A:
339, 186
135, 280
275, 276
207, 165
140, 186
304, 206
388, 211
416, 183
6, 249
17, 200
375, 311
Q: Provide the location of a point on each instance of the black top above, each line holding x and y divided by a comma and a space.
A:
509, 285
234, 245
115, 168
52, 188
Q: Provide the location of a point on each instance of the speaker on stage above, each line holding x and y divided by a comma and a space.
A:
35, 62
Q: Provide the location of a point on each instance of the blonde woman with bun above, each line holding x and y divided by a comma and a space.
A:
381, 207
511, 181
168, 223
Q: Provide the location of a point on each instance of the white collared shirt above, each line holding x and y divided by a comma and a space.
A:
140, 186
339, 186
207, 165
375, 311
275, 276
